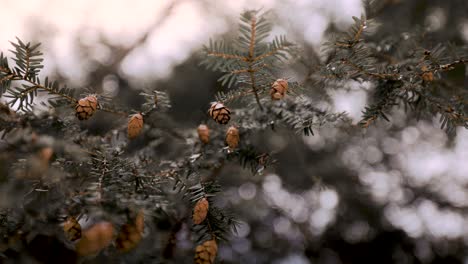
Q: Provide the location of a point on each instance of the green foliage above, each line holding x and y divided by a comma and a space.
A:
218, 224
155, 100
166, 170
28, 60
249, 61
403, 73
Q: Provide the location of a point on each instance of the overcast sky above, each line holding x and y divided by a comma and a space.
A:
190, 26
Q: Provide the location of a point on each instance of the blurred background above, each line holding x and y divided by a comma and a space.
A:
395, 193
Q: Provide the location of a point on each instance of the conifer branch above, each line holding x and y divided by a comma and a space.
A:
254, 87
49, 90
227, 56
390, 76
250, 66
251, 59
253, 28
112, 111
282, 47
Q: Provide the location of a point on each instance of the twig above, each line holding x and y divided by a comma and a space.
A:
251, 71
227, 56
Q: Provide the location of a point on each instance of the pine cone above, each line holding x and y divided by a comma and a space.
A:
200, 211
45, 154
86, 107
135, 125
203, 133
96, 238
131, 234
220, 113
427, 75
279, 89
128, 238
232, 137
140, 221
206, 252
72, 229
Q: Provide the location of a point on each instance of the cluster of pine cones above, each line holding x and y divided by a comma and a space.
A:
101, 235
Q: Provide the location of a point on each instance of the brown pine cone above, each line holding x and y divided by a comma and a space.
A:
135, 125
128, 238
96, 238
140, 221
86, 107
232, 137
200, 211
220, 113
279, 89
203, 133
427, 75
72, 229
206, 252
45, 154
131, 233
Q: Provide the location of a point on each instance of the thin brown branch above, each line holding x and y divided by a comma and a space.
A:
270, 53
251, 71
7, 77
227, 56
367, 122
372, 74
112, 111
101, 180
30, 89
165, 14
238, 96
254, 88
344, 44
360, 30
448, 67
253, 26
49, 90
350, 43
247, 70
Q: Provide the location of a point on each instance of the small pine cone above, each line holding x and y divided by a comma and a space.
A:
72, 229
232, 137
86, 107
96, 238
206, 252
220, 113
135, 125
128, 238
203, 133
200, 211
46, 154
279, 89
427, 75
140, 221
131, 234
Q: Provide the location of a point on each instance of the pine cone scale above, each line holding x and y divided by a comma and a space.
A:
200, 211
220, 113
135, 125
86, 107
